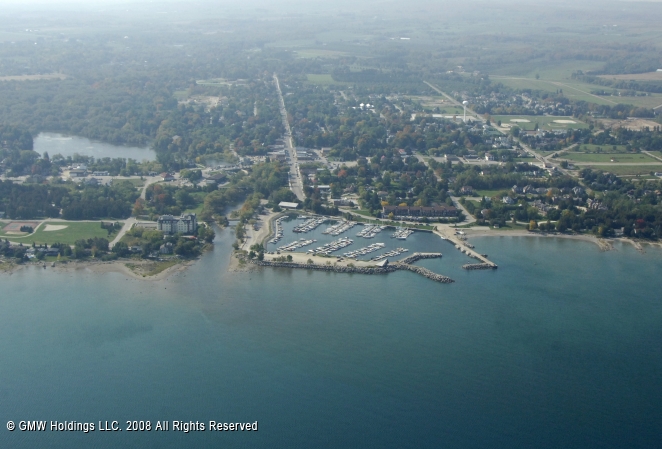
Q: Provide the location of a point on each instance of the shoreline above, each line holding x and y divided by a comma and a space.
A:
605, 244
99, 267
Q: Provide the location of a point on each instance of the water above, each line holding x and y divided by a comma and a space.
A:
559, 347
70, 145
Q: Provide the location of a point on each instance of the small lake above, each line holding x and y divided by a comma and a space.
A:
70, 145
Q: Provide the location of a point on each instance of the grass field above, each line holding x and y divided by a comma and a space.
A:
136, 182
656, 153
544, 122
73, 231
601, 157
626, 169
490, 193
590, 148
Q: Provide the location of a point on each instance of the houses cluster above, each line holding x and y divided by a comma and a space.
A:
417, 212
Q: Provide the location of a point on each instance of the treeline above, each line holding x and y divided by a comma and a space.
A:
30, 201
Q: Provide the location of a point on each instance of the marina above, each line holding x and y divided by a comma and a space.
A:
334, 246
339, 228
296, 245
279, 230
394, 253
309, 225
402, 233
363, 251
370, 231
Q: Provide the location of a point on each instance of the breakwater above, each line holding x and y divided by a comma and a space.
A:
480, 266
418, 256
359, 270
425, 272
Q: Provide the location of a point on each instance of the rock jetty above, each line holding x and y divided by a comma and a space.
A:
366, 270
418, 256
480, 266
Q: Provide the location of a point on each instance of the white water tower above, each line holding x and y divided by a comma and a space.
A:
465, 103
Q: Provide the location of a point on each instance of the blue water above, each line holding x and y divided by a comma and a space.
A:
70, 145
558, 348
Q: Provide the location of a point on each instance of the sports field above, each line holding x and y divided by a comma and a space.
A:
62, 232
602, 157
544, 122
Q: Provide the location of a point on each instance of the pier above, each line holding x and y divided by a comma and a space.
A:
465, 248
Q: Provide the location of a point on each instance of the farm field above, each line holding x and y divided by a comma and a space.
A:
576, 91
319, 53
606, 157
63, 232
545, 122
323, 80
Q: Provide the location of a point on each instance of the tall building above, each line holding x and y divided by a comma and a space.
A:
186, 224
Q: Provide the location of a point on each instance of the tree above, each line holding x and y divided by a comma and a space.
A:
289, 258
533, 225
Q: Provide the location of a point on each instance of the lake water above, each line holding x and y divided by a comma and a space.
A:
70, 145
558, 348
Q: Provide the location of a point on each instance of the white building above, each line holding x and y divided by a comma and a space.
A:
186, 224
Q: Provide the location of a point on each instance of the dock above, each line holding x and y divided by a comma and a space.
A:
467, 249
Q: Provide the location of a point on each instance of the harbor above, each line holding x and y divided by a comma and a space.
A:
326, 245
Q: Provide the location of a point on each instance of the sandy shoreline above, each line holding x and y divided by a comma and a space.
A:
604, 244
104, 267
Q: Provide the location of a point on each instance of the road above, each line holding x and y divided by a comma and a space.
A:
296, 183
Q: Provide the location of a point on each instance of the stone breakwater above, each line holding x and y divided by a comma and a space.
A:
334, 268
360, 270
418, 256
480, 266
424, 272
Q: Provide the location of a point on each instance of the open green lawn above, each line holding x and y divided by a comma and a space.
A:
626, 169
602, 157
136, 182
656, 153
590, 148
545, 122
490, 193
73, 231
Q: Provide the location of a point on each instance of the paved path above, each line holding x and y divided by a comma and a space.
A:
128, 224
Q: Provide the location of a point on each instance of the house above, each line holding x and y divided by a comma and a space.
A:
77, 173
100, 173
508, 200
341, 202
466, 190
325, 151
419, 211
166, 248
578, 191
216, 177
402, 153
186, 224
517, 189
166, 177
489, 157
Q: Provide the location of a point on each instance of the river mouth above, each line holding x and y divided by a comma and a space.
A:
54, 143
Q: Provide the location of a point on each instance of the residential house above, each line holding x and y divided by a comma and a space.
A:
419, 211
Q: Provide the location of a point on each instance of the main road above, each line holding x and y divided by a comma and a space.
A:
296, 183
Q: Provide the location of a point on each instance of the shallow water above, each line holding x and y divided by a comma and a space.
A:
559, 347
